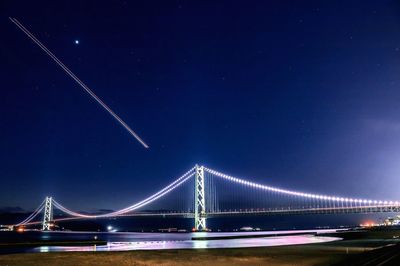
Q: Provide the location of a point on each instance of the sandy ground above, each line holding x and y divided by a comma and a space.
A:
291, 255
356, 246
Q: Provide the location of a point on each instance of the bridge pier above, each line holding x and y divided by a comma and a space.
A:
48, 214
199, 200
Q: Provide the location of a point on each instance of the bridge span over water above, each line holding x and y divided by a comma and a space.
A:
203, 193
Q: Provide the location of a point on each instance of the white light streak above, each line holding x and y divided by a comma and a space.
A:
83, 85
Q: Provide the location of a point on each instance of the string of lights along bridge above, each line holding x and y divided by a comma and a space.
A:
203, 193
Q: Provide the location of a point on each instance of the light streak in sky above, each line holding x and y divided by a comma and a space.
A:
73, 76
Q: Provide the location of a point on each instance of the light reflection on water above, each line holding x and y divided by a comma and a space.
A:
195, 244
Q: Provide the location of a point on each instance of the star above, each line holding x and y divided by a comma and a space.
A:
76, 42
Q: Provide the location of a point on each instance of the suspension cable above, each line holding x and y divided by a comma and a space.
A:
32, 215
135, 206
296, 193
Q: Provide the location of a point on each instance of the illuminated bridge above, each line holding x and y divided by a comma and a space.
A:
203, 193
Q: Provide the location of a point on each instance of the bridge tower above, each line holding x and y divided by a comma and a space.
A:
48, 214
199, 200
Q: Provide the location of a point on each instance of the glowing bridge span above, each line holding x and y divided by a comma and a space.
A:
203, 193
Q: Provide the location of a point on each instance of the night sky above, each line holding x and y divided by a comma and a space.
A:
304, 96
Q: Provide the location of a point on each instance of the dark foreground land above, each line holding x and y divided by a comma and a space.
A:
375, 247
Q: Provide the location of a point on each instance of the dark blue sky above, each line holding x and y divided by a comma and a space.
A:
298, 95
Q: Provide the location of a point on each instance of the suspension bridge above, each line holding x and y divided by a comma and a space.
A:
203, 193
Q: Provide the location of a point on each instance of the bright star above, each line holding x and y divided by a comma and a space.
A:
76, 41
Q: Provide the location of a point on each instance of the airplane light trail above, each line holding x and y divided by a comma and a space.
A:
73, 76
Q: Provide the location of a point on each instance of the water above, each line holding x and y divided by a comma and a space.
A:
155, 241
195, 244
147, 224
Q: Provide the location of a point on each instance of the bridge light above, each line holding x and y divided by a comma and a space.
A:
190, 173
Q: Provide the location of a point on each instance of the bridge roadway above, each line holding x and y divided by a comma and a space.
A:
301, 211
240, 212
